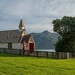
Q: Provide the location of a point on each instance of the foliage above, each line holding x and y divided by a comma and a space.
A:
65, 27
64, 46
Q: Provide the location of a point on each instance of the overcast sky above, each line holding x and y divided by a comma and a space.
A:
36, 14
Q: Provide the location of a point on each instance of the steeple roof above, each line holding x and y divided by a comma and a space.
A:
21, 23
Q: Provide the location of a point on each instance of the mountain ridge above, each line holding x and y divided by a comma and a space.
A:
45, 39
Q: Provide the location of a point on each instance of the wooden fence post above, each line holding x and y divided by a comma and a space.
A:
37, 53
59, 56
47, 54
11, 51
68, 55
4, 50
20, 52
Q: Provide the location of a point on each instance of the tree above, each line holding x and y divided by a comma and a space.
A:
65, 27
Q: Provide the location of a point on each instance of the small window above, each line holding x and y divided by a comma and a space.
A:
9, 46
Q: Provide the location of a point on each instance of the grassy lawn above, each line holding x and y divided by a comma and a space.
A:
22, 65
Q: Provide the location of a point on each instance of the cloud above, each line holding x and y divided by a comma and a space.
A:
39, 28
37, 14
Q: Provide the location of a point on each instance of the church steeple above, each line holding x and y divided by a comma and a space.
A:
21, 25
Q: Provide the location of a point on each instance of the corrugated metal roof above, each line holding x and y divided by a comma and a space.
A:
10, 36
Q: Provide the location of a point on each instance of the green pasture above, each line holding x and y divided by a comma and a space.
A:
23, 65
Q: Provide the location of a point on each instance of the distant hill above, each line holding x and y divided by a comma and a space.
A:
45, 40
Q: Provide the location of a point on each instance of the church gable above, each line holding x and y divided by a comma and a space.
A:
26, 38
31, 40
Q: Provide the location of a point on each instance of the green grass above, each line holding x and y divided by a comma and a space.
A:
22, 65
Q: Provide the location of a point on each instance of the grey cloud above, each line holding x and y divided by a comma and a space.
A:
34, 12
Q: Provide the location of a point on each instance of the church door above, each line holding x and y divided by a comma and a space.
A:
31, 47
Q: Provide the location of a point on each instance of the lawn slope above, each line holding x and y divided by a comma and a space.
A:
22, 65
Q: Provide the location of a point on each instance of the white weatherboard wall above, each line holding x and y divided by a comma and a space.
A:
17, 46
26, 46
14, 45
3, 45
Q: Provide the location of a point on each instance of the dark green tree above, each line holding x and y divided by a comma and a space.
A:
65, 27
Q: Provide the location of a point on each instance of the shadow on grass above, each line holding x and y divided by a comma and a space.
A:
9, 55
17, 55
14, 55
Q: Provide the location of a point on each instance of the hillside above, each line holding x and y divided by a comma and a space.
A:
45, 40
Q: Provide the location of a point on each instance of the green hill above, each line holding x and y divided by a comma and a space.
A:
45, 40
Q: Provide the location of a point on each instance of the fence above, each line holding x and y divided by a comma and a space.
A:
57, 55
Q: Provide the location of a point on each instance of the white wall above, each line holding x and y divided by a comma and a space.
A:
3, 45
14, 45
21, 45
26, 46
17, 46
